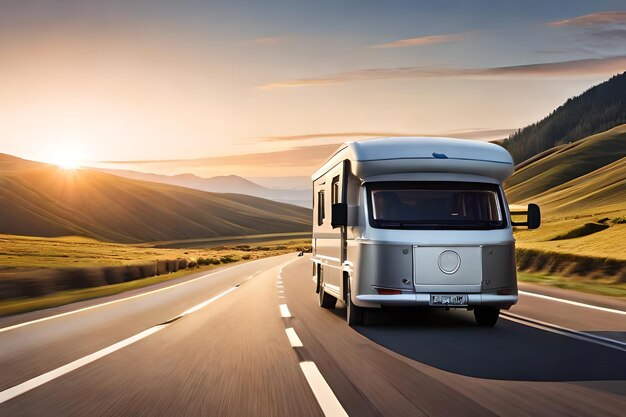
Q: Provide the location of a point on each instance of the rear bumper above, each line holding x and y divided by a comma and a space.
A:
423, 300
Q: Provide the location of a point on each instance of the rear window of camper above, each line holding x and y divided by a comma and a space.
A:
435, 205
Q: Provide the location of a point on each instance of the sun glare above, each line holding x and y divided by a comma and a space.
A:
68, 159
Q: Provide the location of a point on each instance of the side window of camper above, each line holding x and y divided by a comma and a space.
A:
320, 207
334, 190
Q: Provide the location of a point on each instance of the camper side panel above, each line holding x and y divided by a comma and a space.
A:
327, 241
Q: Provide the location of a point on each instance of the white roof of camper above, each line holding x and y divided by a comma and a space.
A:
422, 154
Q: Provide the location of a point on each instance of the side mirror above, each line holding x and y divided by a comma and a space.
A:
339, 215
534, 216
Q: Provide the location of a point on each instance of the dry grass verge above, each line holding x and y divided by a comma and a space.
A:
105, 268
590, 268
24, 305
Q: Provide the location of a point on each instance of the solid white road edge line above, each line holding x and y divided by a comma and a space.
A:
33, 383
330, 405
49, 376
293, 337
284, 311
575, 303
205, 303
564, 331
26, 323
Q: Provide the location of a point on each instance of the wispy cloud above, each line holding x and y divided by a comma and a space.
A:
486, 134
604, 33
296, 160
593, 19
424, 40
293, 157
580, 67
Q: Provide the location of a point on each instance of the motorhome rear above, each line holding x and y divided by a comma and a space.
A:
415, 222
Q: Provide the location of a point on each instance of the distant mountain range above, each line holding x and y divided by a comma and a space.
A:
596, 110
222, 184
42, 200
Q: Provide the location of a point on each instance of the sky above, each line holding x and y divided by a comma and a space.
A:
269, 88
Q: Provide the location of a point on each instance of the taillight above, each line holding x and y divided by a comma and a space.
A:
384, 291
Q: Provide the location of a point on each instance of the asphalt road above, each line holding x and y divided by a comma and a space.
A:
217, 345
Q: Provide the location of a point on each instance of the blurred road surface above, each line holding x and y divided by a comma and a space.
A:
250, 340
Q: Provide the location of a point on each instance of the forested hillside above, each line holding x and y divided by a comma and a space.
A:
596, 110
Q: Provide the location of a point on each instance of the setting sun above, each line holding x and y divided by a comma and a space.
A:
68, 158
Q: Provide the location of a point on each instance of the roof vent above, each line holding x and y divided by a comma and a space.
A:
440, 155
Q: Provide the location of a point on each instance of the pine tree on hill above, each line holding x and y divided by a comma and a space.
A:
598, 109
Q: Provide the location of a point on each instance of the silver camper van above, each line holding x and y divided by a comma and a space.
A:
415, 222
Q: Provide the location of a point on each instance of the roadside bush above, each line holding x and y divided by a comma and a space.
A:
192, 264
13, 288
114, 274
34, 283
570, 265
148, 270
182, 263
133, 272
246, 257
208, 261
76, 278
228, 259
172, 266
162, 268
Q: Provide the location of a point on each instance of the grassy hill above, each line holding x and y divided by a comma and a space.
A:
601, 190
42, 200
589, 172
580, 188
598, 109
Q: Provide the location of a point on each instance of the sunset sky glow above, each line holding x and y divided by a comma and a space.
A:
184, 85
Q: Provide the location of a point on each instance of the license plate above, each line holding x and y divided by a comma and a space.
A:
448, 300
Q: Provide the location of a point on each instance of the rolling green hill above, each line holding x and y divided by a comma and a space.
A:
42, 200
598, 109
589, 171
603, 188
580, 188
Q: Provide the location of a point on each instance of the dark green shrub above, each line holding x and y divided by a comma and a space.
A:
149, 269
172, 266
228, 259
133, 272
34, 283
114, 274
76, 278
162, 267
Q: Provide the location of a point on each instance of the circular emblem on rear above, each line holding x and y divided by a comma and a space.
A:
449, 262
